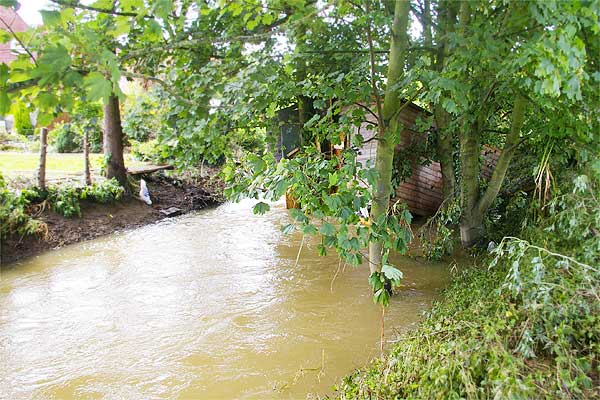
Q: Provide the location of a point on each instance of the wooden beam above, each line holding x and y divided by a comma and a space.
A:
148, 169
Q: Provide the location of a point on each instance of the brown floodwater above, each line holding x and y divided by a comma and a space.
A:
204, 306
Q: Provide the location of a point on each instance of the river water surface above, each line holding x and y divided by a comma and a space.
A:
205, 306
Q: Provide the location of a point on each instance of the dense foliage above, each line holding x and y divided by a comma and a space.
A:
14, 218
519, 76
17, 208
22, 122
525, 326
65, 138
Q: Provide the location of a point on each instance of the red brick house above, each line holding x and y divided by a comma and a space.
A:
10, 20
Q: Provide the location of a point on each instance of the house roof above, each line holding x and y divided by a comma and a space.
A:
10, 20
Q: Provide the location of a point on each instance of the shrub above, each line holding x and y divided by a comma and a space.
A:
21, 117
14, 218
143, 118
66, 138
88, 116
146, 151
103, 192
65, 199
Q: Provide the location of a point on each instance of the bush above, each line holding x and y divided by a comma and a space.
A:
147, 151
66, 138
14, 219
143, 118
88, 116
103, 192
21, 117
65, 199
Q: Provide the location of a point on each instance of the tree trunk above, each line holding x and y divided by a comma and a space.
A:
86, 157
113, 141
43, 151
475, 208
388, 124
445, 149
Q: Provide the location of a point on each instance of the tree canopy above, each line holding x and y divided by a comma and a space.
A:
520, 76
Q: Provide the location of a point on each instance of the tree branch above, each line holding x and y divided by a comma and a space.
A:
512, 141
111, 11
14, 35
164, 84
368, 109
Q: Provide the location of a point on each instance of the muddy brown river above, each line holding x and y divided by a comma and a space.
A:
204, 306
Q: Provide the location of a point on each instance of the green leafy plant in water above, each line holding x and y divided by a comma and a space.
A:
331, 196
436, 235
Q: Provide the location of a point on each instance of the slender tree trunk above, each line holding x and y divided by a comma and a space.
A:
475, 208
471, 227
86, 157
388, 124
445, 149
43, 151
113, 141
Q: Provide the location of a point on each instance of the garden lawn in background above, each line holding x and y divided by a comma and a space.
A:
14, 164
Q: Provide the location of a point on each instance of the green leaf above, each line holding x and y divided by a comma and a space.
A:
3, 74
44, 119
4, 103
253, 23
382, 297
98, 87
261, 208
392, 273
375, 281
287, 229
51, 17
333, 179
298, 215
327, 229
267, 19
257, 164
309, 229
46, 100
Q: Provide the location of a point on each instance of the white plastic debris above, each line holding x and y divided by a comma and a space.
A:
144, 192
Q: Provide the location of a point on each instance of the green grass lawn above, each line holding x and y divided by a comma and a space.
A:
13, 164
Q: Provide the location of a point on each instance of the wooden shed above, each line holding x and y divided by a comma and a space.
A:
422, 191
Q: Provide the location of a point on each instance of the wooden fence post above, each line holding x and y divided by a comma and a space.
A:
43, 150
86, 157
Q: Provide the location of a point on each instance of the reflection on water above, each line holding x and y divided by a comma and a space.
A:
202, 306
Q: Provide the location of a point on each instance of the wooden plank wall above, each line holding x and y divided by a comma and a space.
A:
422, 192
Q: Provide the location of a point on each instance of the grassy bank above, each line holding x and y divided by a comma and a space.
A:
57, 164
523, 324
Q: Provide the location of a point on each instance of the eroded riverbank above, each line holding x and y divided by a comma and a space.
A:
102, 219
207, 305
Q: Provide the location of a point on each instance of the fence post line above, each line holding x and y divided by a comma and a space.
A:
43, 150
86, 157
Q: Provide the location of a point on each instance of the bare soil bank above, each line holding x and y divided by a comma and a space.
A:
102, 219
